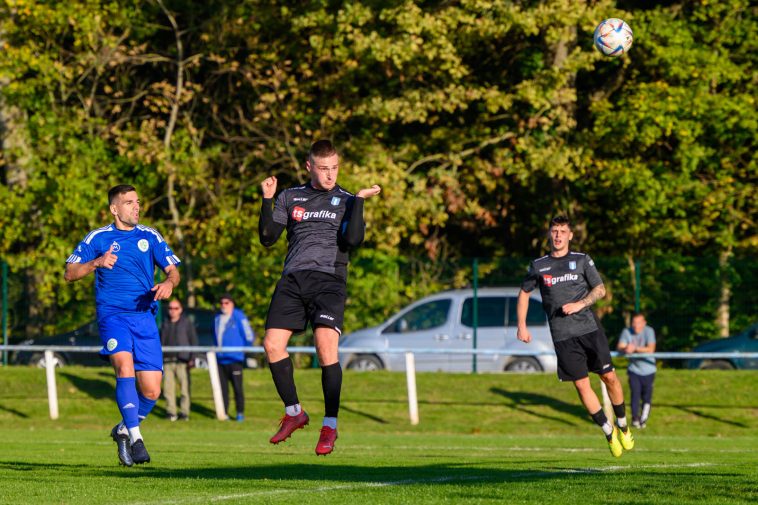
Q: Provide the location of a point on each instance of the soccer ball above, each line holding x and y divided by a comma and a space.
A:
613, 37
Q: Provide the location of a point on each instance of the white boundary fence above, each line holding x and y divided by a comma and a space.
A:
210, 352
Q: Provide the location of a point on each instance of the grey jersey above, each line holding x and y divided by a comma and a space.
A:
313, 219
564, 280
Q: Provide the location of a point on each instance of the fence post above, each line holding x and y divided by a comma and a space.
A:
410, 373
5, 310
476, 313
218, 400
52, 390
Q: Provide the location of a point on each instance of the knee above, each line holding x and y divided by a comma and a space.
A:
152, 393
273, 347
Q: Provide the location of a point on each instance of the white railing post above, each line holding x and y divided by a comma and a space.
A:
410, 373
52, 390
218, 400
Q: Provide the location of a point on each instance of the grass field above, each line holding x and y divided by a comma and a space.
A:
482, 439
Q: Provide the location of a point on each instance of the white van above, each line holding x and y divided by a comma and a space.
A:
445, 321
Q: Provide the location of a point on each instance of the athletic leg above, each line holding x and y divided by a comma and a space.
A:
169, 388
635, 386
237, 385
223, 378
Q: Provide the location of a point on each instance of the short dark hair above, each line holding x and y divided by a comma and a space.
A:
226, 296
560, 221
322, 149
119, 190
637, 314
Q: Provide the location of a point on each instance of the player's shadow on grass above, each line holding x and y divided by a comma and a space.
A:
691, 410
364, 414
522, 401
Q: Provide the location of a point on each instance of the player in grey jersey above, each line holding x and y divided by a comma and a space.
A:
570, 284
323, 222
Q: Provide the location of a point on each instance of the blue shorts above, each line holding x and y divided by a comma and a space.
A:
136, 333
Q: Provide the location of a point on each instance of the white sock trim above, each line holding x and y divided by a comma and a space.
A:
293, 410
134, 434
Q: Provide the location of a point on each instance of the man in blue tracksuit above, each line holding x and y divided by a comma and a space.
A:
232, 329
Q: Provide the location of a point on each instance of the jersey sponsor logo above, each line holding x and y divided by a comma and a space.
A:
549, 280
143, 245
544, 269
299, 199
336, 200
116, 246
572, 265
111, 344
326, 316
300, 214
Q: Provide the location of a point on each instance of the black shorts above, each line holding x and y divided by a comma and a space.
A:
307, 296
580, 355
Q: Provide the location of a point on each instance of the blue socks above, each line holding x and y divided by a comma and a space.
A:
145, 406
128, 401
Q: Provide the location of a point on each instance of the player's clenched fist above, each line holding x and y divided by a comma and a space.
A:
107, 260
369, 192
269, 187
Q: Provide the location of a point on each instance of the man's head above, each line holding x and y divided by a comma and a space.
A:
227, 303
323, 164
174, 310
560, 234
638, 322
124, 205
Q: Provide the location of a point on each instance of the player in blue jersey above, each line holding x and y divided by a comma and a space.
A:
123, 256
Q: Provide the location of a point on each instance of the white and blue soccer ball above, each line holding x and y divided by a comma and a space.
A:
613, 37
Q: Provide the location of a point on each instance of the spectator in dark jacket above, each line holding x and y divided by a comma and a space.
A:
177, 330
232, 329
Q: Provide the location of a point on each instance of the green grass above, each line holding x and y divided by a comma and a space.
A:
482, 439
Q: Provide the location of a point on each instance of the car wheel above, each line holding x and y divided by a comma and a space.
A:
365, 363
524, 365
38, 360
718, 364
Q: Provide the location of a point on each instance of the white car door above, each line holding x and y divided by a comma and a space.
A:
490, 333
425, 326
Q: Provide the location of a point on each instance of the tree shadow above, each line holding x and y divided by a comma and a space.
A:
521, 402
372, 417
95, 388
691, 410
15, 412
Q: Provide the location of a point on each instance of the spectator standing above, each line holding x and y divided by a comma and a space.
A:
232, 329
177, 330
639, 339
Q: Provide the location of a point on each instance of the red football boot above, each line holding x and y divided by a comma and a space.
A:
288, 425
326, 440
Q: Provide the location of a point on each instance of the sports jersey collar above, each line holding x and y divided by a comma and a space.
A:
326, 192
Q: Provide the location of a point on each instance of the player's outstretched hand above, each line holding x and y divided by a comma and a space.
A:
524, 335
107, 260
163, 290
269, 187
369, 192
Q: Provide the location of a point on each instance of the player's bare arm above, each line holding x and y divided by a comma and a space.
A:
269, 187
369, 192
522, 307
164, 289
596, 294
76, 271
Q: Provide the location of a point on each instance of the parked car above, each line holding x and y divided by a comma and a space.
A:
445, 321
88, 335
747, 341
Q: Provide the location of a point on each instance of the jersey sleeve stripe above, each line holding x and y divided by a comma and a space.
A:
151, 230
93, 233
74, 259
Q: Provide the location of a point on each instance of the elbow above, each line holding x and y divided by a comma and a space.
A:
601, 291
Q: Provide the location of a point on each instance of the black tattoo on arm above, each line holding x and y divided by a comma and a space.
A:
596, 294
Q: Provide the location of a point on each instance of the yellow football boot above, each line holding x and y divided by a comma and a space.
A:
627, 440
615, 444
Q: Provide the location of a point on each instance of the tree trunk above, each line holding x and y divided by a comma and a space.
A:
722, 313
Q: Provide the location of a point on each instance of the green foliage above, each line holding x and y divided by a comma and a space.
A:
480, 120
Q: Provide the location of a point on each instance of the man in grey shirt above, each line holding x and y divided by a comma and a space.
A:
570, 284
640, 339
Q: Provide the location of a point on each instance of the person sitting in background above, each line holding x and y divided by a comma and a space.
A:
232, 329
640, 339
177, 330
